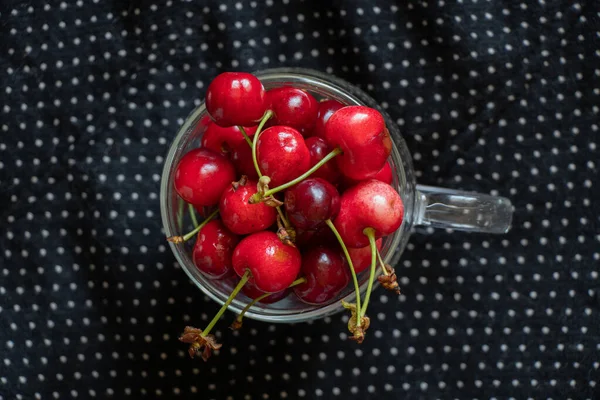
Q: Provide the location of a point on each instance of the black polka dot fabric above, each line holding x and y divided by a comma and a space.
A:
498, 97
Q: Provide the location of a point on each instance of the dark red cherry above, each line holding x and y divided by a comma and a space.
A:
369, 204
241, 217
318, 149
273, 265
292, 107
241, 156
282, 154
311, 202
213, 250
202, 175
361, 134
224, 140
324, 112
236, 98
320, 235
251, 291
326, 275
361, 257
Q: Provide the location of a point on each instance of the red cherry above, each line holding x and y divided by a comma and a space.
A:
224, 140
202, 175
236, 98
384, 175
318, 149
241, 156
292, 107
365, 141
324, 112
369, 204
213, 250
326, 275
361, 257
282, 154
241, 217
251, 291
273, 265
311, 202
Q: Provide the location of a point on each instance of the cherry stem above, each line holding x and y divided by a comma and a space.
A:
180, 213
349, 259
187, 236
264, 296
383, 267
370, 233
257, 196
224, 307
248, 140
286, 223
264, 120
193, 215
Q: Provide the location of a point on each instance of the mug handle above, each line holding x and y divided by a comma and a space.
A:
462, 211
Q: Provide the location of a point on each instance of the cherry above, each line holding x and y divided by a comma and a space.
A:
371, 204
311, 202
321, 234
318, 149
293, 107
326, 275
273, 265
251, 291
360, 132
202, 175
361, 257
384, 175
213, 250
236, 98
224, 140
241, 156
324, 112
282, 154
241, 217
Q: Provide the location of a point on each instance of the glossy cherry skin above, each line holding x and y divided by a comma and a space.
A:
321, 235
273, 265
236, 98
361, 257
365, 141
311, 202
252, 292
384, 175
202, 175
324, 112
282, 154
318, 149
224, 140
241, 156
326, 275
369, 204
292, 107
241, 217
213, 250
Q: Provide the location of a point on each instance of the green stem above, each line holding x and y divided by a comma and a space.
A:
248, 140
180, 213
354, 278
236, 290
264, 120
370, 233
189, 235
257, 196
193, 215
383, 267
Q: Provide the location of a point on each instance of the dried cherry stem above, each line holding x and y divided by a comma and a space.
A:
349, 260
237, 323
263, 121
193, 215
248, 140
189, 235
382, 264
224, 307
285, 221
258, 196
370, 233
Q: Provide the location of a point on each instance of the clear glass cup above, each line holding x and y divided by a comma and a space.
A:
424, 205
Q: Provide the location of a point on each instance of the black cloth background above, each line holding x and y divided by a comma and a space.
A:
493, 96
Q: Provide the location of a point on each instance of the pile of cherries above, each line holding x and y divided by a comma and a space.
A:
296, 197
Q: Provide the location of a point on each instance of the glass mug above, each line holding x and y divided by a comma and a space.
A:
423, 205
